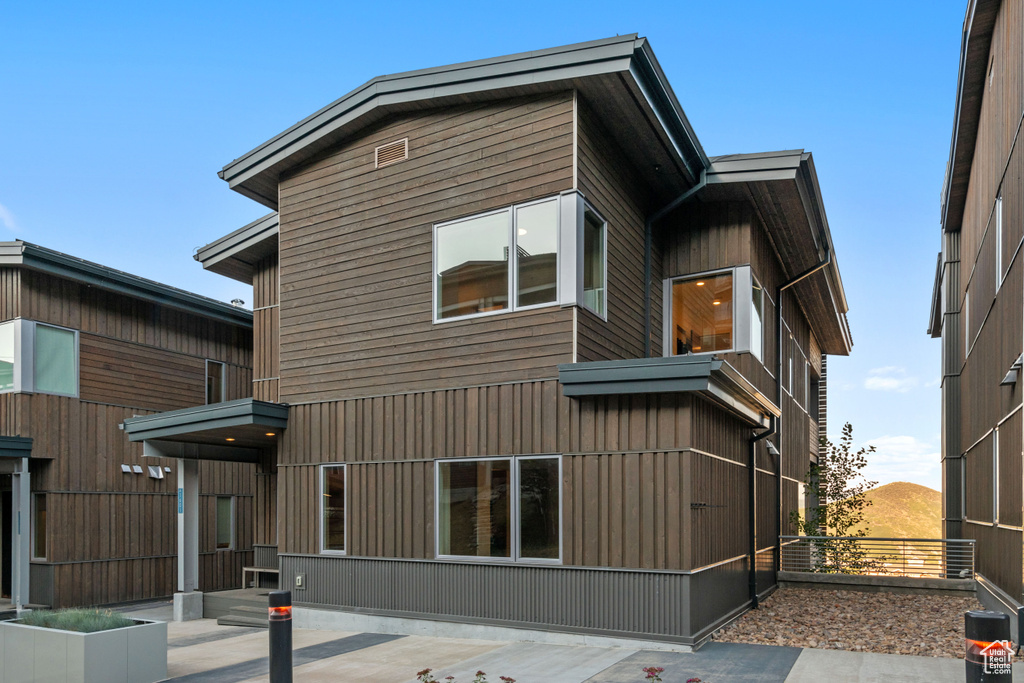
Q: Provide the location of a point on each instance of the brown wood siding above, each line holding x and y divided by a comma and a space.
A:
113, 371
356, 245
391, 509
995, 552
265, 510
10, 293
979, 481
604, 178
1010, 471
266, 330
720, 510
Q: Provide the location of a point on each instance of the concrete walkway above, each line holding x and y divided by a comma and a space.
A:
203, 652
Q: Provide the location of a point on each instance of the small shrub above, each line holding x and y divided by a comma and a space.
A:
426, 676
78, 620
653, 673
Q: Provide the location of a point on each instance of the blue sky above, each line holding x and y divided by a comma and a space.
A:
115, 117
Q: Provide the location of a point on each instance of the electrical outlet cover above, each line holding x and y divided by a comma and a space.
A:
300, 580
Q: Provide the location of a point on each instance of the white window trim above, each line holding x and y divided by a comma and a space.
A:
323, 528
999, 239
995, 477
513, 261
223, 380
24, 358
737, 310
515, 557
759, 352
580, 242
231, 544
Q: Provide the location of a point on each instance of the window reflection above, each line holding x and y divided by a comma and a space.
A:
472, 266
702, 314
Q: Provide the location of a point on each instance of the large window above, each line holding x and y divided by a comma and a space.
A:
757, 319
38, 358
332, 497
702, 314
500, 508
498, 261
225, 522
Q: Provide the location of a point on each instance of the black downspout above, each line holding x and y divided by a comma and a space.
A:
778, 392
752, 515
648, 246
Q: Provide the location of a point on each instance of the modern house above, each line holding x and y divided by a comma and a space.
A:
84, 518
533, 358
978, 301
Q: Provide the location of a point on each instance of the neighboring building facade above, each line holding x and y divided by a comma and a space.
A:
82, 348
978, 300
525, 335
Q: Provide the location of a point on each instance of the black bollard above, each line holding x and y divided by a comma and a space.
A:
989, 656
280, 637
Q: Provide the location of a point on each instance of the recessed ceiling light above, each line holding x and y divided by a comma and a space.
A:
716, 303
271, 434
229, 439
700, 284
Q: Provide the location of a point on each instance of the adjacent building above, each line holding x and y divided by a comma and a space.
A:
978, 301
527, 355
85, 519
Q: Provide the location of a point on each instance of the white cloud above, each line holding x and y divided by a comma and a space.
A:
904, 458
7, 219
890, 378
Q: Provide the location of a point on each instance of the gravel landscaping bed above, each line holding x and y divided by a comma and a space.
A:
888, 623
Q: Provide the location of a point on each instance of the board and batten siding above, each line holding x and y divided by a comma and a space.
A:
356, 253
629, 470
266, 329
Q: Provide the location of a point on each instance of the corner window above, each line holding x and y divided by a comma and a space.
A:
998, 220
332, 506
214, 382
225, 522
500, 508
39, 526
702, 314
504, 260
39, 358
595, 262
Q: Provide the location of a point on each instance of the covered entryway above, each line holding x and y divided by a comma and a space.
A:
15, 521
245, 430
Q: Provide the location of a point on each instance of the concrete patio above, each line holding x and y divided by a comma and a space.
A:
203, 652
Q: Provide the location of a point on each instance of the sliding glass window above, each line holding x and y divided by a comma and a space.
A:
332, 506
499, 508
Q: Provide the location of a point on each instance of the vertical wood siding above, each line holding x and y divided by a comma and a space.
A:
266, 330
356, 253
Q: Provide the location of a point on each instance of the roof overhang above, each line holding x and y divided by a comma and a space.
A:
619, 74
783, 189
710, 377
19, 254
233, 430
15, 447
236, 254
979, 23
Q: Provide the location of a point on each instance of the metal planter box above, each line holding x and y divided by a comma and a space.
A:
136, 654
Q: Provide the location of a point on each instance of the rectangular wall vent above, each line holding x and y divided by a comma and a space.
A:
391, 153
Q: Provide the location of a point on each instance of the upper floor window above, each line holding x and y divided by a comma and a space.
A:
547, 252
39, 358
998, 220
214, 382
714, 312
332, 508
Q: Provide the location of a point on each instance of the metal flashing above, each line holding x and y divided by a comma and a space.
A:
255, 173
712, 377
197, 419
20, 254
235, 254
15, 447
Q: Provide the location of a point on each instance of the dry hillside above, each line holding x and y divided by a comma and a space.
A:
904, 510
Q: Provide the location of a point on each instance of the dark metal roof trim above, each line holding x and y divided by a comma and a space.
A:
246, 411
624, 54
979, 23
235, 254
15, 447
710, 376
21, 254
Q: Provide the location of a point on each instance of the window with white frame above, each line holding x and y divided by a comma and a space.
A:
595, 262
714, 312
998, 220
995, 476
332, 508
500, 508
38, 358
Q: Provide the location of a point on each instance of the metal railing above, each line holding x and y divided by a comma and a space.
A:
943, 558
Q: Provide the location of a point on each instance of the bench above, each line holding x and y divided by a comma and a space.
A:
256, 571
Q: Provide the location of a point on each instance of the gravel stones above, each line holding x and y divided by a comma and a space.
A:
887, 623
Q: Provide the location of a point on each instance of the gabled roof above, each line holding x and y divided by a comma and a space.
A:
622, 73
979, 22
784, 191
19, 254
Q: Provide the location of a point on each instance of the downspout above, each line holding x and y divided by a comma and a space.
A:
778, 392
648, 246
752, 514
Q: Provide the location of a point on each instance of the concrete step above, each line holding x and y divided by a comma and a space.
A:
243, 620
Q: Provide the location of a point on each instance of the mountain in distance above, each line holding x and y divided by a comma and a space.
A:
904, 510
